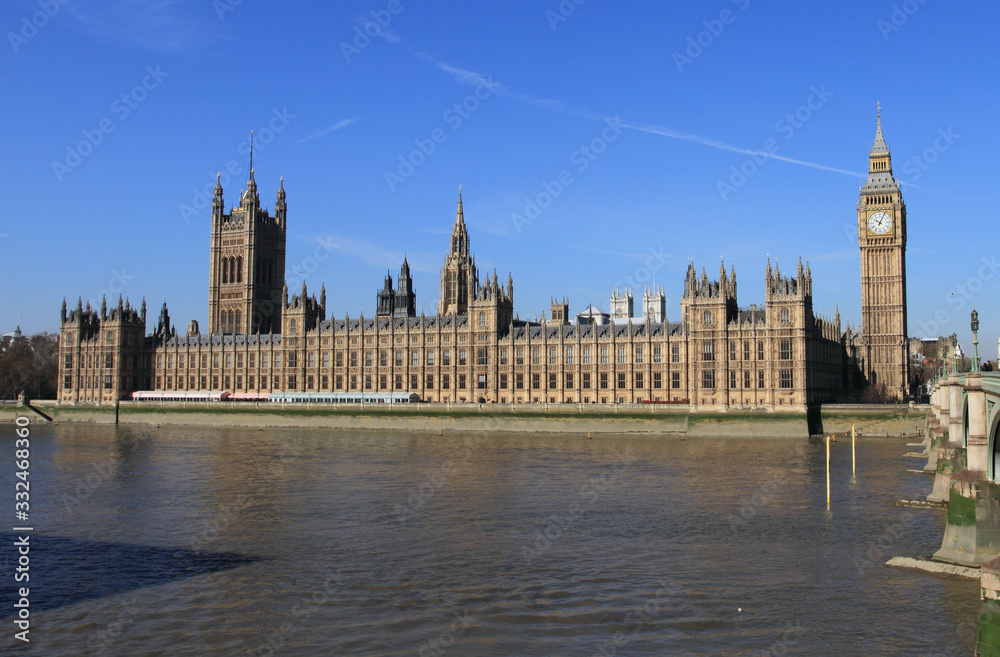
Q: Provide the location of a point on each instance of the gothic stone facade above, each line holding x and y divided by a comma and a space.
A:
718, 356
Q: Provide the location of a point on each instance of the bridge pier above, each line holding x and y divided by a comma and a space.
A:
988, 641
972, 533
937, 424
951, 457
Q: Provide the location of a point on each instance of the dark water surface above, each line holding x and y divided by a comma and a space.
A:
240, 542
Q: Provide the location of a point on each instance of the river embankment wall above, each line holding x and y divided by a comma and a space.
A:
870, 420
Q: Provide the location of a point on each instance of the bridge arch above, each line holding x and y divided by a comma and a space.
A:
994, 446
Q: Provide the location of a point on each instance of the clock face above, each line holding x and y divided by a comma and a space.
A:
879, 223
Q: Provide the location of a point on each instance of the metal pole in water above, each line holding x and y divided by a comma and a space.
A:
854, 457
828, 472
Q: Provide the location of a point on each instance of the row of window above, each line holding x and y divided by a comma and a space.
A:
784, 350
786, 379
707, 317
481, 356
603, 381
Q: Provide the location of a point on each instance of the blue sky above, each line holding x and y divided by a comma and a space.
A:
625, 120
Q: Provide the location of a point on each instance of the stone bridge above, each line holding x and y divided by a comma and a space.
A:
963, 439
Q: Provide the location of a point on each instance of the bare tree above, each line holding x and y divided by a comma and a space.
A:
29, 365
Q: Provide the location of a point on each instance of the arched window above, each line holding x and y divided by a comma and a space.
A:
708, 317
482, 320
232, 270
225, 270
239, 271
292, 327
231, 323
239, 322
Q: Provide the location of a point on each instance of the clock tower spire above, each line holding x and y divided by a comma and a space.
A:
882, 239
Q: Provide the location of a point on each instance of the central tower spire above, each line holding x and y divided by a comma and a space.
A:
459, 279
459, 234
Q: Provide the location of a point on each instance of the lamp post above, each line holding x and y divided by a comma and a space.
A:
975, 340
954, 354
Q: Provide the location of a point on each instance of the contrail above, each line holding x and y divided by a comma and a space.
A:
712, 143
463, 76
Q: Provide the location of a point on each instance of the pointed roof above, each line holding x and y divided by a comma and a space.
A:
879, 147
459, 234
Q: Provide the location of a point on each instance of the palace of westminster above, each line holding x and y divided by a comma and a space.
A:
717, 356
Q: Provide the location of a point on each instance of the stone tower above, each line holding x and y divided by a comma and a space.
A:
404, 299
101, 353
386, 298
247, 263
621, 304
459, 278
882, 239
559, 312
654, 304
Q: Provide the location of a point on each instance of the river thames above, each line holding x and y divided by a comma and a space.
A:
176, 541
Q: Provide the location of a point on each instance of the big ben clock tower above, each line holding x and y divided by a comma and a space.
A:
882, 238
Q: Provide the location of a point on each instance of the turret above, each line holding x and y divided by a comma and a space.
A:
217, 203
280, 207
163, 326
404, 299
